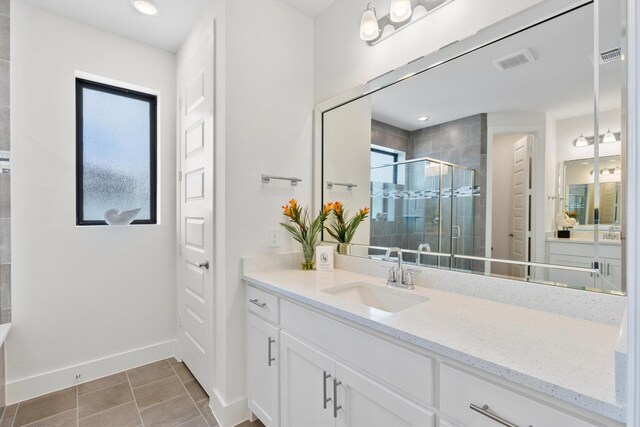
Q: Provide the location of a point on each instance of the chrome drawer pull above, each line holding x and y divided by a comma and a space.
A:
258, 303
336, 407
485, 411
325, 399
271, 359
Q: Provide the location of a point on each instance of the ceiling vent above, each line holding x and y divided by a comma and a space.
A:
514, 60
610, 55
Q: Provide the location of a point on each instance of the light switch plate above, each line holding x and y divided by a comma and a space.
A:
274, 238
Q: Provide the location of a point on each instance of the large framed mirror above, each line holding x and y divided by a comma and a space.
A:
486, 161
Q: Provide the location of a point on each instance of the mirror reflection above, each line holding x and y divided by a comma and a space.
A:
451, 165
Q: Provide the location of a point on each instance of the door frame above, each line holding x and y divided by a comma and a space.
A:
537, 152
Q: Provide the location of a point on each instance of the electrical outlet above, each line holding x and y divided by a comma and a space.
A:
274, 238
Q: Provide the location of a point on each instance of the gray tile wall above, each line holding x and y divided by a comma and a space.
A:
5, 178
462, 142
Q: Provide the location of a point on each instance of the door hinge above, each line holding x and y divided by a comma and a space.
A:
179, 249
180, 103
179, 176
179, 322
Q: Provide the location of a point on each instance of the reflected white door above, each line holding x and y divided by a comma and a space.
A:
196, 92
520, 205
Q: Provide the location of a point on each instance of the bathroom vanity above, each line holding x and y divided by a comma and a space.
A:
342, 348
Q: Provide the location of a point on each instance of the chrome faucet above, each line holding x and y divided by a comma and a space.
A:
424, 247
398, 277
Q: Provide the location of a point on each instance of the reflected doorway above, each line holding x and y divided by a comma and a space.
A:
511, 203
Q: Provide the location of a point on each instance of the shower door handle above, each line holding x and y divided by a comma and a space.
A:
458, 234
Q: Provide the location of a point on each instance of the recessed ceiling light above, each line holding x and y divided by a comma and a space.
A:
146, 7
423, 118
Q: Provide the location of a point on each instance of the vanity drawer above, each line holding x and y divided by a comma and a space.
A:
406, 371
458, 390
263, 304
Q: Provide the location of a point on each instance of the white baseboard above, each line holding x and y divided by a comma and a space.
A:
228, 414
38, 385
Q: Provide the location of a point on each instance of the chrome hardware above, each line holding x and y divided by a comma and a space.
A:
325, 399
336, 407
267, 179
459, 232
510, 234
258, 303
423, 247
608, 269
203, 264
271, 359
484, 410
397, 276
349, 185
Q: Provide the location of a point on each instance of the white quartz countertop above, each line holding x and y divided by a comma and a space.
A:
585, 241
564, 357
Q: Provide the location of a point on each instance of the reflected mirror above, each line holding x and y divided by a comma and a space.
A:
476, 163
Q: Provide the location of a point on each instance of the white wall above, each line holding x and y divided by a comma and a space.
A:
343, 61
264, 99
81, 293
347, 148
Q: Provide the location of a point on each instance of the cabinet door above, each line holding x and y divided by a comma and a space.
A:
306, 378
262, 370
574, 278
612, 278
365, 403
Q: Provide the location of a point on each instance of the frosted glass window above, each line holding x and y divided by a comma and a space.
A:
116, 152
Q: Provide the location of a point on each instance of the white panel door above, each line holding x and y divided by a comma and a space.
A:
519, 206
262, 370
306, 380
195, 297
363, 403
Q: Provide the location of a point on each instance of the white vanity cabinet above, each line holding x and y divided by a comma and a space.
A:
328, 371
581, 254
263, 373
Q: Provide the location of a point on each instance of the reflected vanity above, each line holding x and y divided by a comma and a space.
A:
471, 176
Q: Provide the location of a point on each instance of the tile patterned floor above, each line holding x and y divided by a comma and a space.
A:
163, 393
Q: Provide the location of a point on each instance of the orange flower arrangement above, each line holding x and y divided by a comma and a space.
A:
303, 229
343, 229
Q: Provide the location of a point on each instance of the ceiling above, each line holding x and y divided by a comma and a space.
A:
559, 82
311, 8
166, 30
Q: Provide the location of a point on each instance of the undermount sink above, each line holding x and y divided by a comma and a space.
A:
385, 299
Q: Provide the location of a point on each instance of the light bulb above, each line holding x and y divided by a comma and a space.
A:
605, 172
617, 171
400, 10
608, 137
146, 7
369, 24
581, 141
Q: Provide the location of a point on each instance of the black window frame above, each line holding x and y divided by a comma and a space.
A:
395, 160
82, 84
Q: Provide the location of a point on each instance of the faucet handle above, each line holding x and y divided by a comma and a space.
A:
392, 275
408, 278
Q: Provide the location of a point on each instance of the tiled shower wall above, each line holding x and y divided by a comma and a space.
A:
462, 142
5, 190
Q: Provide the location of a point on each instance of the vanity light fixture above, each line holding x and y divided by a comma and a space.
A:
369, 29
581, 141
402, 13
146, 7
608, 137
423, 118
400, 10
605, 172
617, 171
